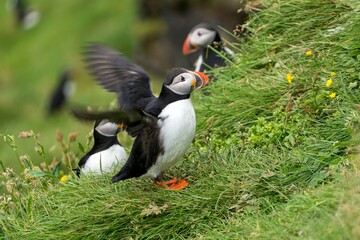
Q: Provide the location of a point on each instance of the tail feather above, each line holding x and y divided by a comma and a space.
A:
119, 176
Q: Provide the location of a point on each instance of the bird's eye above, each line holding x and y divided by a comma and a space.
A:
182, 79
199, 34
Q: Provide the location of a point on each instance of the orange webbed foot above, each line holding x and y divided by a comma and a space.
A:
172, 184
179, 185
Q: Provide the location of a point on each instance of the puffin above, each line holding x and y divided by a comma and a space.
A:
25, 17
106, 152
205, 38
163, 126
62, 91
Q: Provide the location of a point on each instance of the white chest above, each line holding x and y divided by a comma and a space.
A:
177, 124
199, 62
106, 160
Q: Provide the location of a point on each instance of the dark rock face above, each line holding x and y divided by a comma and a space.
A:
164, 25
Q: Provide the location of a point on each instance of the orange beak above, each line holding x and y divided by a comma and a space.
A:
201, 79
188, 48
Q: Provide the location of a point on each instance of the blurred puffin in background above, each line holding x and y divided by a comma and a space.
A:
106, 153
25, 17
205, 38
64, 88
164, 126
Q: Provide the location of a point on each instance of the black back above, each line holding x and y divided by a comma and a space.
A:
58, 96
145, 150
210, 54
20, 10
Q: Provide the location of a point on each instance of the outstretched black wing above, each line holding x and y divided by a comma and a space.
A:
116, 73
133, 121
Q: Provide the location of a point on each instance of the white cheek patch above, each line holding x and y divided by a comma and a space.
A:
206, 38
182, 88
108, 129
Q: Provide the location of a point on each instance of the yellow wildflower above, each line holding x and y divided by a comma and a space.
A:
64, 178
329, 82
308, 53
332, 95
332, 74
289, 77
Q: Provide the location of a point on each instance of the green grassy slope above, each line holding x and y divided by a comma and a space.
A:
275, 155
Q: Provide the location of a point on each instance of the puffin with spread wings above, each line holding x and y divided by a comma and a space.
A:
164, 126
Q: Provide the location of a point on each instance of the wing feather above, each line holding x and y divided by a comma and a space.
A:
116, 73
133, 121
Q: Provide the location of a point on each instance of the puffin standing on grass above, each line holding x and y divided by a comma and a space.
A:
164, 126
106, 152
25, 17
206, 39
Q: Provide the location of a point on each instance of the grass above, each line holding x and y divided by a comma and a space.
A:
272, 158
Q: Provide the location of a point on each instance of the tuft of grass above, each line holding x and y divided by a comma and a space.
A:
273, 154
